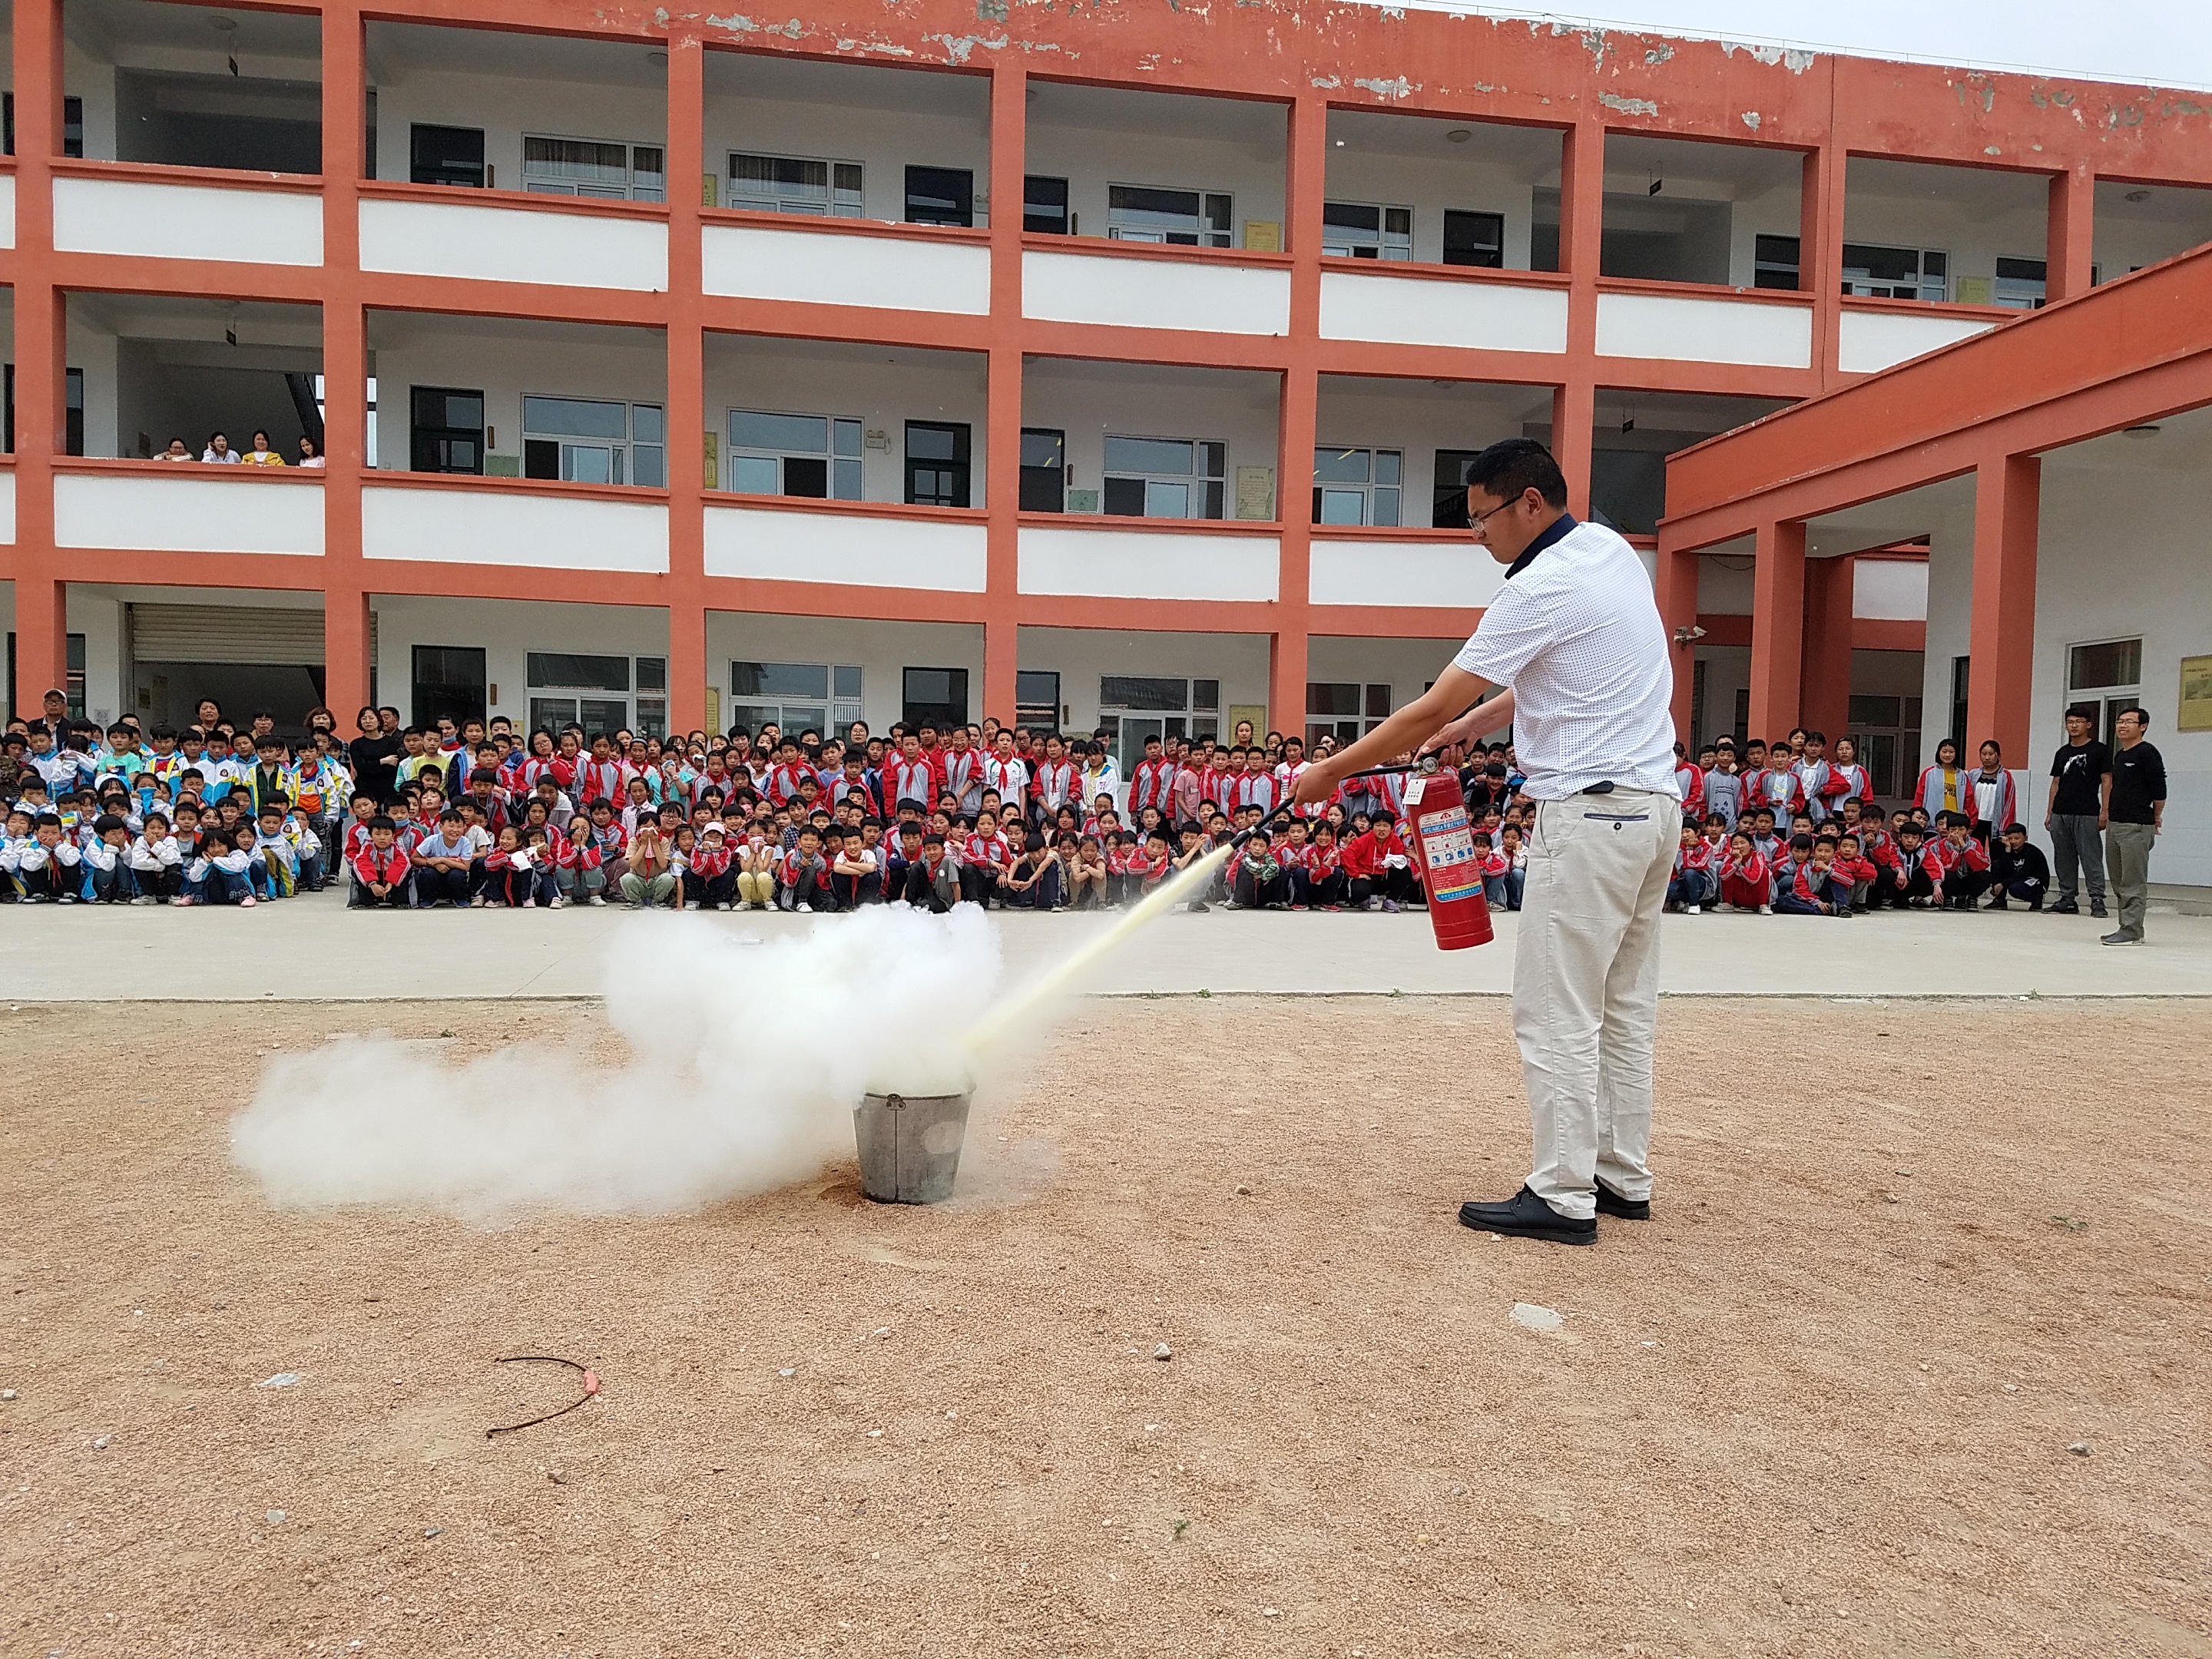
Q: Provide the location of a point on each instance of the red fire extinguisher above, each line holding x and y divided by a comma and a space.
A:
1442, 842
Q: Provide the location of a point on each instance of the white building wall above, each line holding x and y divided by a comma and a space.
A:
507, 630
1082, 655
881, 386
1089, 400
881, 650
1433, 184
506, 107
1950, 599
2151, 581
506, 361
1971, 220
886, 119
1092, 156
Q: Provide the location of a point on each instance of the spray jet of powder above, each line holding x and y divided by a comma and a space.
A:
746, 1061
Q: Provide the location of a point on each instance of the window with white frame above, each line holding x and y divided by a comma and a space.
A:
1357, 486
598, 693
776, 454
2107, 675
1133, 708
794, 184
1896, 273
602, 168
797, 697
591, 441
1188, 218
1366, 230
1164, 478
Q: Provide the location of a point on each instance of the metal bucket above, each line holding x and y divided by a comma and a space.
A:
909, 1147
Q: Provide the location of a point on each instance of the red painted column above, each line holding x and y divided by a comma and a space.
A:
1581, 231
1821, 253
2007, 503
346, 665
1826, 702
2073, 233
1777, 627
1002, 466
687, 414
1676, 577
1297, 416
41, 348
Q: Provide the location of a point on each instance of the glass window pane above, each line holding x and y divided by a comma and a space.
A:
1166, 501
570, 670
1385, 505
928, 443
849, 482
1343, 507
1351, 215
778, 680
2115, 662
550, 713
1149, 455
1214, 460
1043, 448
1340, 466
577, 159
807, 475
1378, 699
1142, 691
1206, 694
653, 673
846, 682
646, 423
586, 464
847, 437
1386, 466
1141, 205
1331, 698
804, 435
753, 475
646, 466
604, 713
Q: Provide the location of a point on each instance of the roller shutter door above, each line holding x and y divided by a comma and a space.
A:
225, 634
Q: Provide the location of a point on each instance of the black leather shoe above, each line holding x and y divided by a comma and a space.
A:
1524, 1215
2097, 911
2065, 907
1628, 1209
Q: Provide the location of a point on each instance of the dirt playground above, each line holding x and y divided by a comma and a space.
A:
1915, 1358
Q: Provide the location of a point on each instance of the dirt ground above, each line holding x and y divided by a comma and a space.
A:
1905, 1256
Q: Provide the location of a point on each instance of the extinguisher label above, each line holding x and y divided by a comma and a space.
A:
1448, 849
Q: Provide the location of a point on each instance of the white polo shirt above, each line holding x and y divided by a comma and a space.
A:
1576, 633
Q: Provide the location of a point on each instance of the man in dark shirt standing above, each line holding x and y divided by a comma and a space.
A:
2080, 787
2138, 814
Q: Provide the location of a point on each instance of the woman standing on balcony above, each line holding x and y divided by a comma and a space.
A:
219, 449
309, 454
261, 455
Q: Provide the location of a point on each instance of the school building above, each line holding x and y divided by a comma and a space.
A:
684, 370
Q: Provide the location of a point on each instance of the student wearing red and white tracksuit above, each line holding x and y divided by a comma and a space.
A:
1746, 882
1152, 783
1693, 886
985, 858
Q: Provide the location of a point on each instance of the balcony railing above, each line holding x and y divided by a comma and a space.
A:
1143, 285
1423, 568
1492, 311
450, 520
1878, 334
565, 241
174, 509
1771, 330
756, 256
187, 213
1150, 559
846, 544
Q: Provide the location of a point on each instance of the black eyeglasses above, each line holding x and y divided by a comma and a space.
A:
1481, 520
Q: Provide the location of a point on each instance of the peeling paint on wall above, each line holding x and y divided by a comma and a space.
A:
1593, 40
1795, 61
1326, 82
1751, 119
958, 46
1658, 54
1628, 106
1399, 89
990, 11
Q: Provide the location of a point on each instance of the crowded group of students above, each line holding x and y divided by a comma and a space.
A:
479, 814
1786, 828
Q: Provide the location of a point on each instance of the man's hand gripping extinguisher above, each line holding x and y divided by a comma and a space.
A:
1441, 842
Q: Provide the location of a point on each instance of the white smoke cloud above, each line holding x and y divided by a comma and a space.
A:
746, 1061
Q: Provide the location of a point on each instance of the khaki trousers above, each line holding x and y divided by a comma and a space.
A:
1586, 990
2127, 861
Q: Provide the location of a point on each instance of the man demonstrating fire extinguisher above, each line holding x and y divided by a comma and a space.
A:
1574, 635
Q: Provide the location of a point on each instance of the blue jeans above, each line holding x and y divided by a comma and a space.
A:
1692, 887
115, 886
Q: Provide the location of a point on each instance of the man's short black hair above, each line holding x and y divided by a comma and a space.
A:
2141, 714
1513, 465
2086, 711
1800, 843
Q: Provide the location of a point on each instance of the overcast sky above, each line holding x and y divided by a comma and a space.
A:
2166, 43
